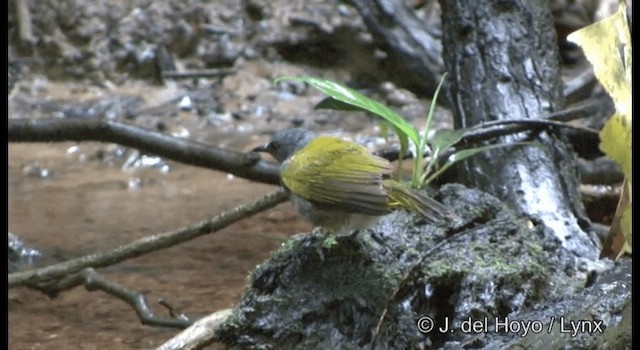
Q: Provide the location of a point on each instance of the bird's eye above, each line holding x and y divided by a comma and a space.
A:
274, 145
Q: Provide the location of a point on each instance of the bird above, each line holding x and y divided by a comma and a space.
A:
339, 185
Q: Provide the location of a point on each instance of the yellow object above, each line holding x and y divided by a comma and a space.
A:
607, 45
338, 184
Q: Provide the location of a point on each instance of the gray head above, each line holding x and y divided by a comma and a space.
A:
285, 143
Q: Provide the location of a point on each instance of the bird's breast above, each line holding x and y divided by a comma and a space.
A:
331, 219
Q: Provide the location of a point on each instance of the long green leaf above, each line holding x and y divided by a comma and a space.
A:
432, 108
337, 105
443, 139
418, 169
352, 97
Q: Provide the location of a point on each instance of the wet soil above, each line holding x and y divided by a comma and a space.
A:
87, 207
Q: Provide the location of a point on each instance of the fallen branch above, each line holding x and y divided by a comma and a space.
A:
94, 281
245, 165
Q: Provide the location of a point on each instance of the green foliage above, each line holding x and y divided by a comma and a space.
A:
354, 100
346, 99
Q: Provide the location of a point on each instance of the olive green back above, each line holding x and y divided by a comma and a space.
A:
338, 174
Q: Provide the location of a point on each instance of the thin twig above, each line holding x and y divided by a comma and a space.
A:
588, 108
493, 129
94, 281
145, 245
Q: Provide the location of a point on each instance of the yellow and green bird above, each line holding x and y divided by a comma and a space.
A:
338, 184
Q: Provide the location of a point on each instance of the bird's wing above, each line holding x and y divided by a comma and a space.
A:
338, 174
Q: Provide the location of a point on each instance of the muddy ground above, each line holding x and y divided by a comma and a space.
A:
89, 207
103, 59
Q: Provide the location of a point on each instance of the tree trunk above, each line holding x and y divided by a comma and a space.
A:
503, 61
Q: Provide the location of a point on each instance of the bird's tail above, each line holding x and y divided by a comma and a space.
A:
402, 196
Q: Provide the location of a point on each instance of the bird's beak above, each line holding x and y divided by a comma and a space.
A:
263, 148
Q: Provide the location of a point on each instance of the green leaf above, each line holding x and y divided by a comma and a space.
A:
337, 105
352, 97
432, 108
444, 139
418, 170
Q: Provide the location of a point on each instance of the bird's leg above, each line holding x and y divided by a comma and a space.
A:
353, 234
320, 253
329, 241
325, 234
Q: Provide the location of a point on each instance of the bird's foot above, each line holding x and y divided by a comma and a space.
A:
329, 241
353, 234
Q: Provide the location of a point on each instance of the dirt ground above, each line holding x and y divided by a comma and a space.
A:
87, 208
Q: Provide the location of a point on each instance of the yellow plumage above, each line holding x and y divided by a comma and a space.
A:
339, 173
336, 183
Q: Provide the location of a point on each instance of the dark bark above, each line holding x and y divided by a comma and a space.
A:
503, 61
600, 171
415, 54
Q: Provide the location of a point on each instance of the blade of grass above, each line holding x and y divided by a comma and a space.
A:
417, 163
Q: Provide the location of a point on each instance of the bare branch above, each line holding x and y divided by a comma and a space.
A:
491, 130
602, 170
494, 129
94, 281
146, 244
245, 165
